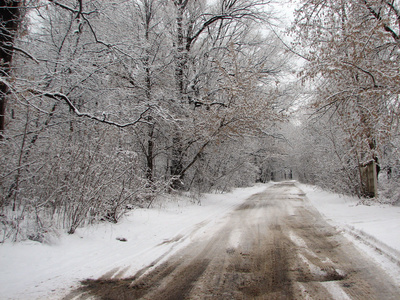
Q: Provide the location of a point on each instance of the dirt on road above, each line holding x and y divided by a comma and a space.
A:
274, 246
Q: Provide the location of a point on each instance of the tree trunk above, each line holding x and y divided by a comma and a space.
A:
10, 19
180, 65
177, 163
180, 60
150, 154
148, 17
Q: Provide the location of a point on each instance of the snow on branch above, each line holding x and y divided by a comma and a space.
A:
82, 16
362, 70
65, 98
231, 11
386, 26
73, 10
13, 47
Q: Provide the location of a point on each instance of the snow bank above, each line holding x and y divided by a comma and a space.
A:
380, 221
30, 270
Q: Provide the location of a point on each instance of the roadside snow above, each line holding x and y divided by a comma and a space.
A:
375, 229
380, 221
31, 270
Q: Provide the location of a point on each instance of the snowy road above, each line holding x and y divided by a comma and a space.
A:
274, 246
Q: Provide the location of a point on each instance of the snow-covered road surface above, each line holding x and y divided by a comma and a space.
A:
275, 245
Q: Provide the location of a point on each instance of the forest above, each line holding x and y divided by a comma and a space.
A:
105, 105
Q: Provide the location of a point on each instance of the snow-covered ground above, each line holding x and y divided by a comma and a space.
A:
31, 270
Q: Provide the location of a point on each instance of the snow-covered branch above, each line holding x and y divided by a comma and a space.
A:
103, 119
71, 9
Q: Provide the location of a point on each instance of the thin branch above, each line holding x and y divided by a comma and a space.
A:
234, 14
195, 158
73, 10
379, 18
110, 46
287, 46
362, 70
18, 168
206, 25
79, 13
22, 51
277, 136
395, 10
329, 105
